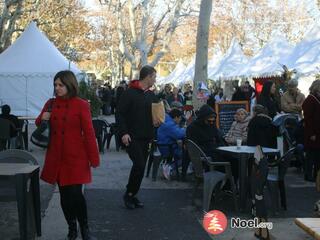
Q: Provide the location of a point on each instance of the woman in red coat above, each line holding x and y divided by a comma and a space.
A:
311, 112
72, 150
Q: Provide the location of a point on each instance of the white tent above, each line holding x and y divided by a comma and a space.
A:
213, 63
187, 75
179, 69
27, 69
268, 60
233, 60
305, 57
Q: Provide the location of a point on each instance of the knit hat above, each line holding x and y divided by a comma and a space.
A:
242, 110
206, 111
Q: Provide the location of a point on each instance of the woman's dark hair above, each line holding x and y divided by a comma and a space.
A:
70, 81
266, 89
146, 71
175, 113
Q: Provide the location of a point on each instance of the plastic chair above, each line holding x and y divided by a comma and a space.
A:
24, 190
275, 180
155, 158
210, 179
17, 156
101, 131
113, 132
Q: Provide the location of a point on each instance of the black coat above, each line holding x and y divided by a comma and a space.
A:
207, 137
270, 104
262, 132
133, 115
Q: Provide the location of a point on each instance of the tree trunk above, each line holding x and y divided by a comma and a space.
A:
201, 64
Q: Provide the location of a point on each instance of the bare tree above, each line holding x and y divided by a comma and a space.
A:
201, 65
145, 30
11, 10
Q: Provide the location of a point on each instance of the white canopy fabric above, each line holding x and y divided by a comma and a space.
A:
305, 57
178, 70
187, 75
269, 60
213, 63
233, 60
32, 52
27, 69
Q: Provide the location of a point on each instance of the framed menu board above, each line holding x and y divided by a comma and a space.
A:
225, 113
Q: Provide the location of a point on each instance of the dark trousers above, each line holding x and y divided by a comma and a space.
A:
138, 153
73, 204
312, 164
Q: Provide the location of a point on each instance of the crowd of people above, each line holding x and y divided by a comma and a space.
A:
73, 151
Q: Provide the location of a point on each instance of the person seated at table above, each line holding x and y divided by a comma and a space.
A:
204, 133
239, 128
5, 114
261, 131
169, 133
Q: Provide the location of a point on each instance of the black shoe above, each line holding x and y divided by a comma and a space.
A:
128, 202
85, 233
137, 203
73, 231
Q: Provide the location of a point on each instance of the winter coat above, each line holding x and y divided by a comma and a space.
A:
311, 112
238, 130
290, 104
133, 115
167, 134
207, 137
262, 132
14, 120
73, 147
270, 104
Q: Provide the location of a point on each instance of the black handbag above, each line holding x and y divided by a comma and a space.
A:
41, 136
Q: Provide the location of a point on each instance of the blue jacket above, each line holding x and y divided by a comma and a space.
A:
168, 133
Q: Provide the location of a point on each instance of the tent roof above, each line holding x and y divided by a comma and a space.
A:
269, 59
187, 74
32, 52
305, 58
233, 59
178, 70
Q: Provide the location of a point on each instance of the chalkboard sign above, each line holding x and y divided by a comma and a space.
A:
225, 113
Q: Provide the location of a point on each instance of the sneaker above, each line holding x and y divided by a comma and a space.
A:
137, 203
128, 202
166, 171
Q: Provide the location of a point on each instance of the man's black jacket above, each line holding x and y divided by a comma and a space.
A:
133, 115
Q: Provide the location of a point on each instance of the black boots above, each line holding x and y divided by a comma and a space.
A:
128, 201
132, 202
73, 231
85, 232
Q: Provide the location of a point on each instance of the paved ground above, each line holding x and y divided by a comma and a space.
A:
168, 213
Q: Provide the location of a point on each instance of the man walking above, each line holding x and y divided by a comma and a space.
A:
136, 129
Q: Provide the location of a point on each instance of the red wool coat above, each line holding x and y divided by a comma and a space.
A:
73, 147
311, 113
